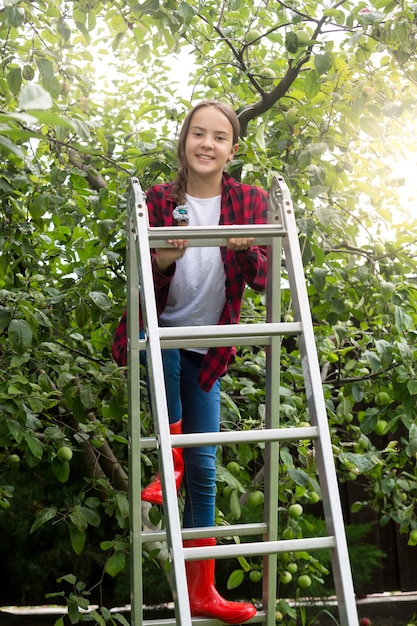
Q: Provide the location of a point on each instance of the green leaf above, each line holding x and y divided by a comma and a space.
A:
64, 30
73, 612
34, 445
98, 619
87, 396
45, 515
323, 62
9, 146
46, 69
403, 321
312, 84
412, 387
300, 477
116, 563
34, 96
122, 503
77, 537
101, 300
373, 359
20, 335
235, 509
235, 579
14, 79
82, 313
319, 278
61, 469
68, 578
81, 128
91, 517
14, 15
362, 462
121, 619
291, 42
52, 120
260, 137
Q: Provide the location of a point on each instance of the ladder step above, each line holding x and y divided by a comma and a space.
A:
259, 548
228, 335
243, 436
199, 236
259, 617
239, 530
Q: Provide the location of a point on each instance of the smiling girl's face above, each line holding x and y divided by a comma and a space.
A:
209, 144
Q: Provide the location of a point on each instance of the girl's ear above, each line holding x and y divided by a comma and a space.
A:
233, 152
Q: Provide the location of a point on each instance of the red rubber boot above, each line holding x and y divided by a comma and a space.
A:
205, 601
153, 492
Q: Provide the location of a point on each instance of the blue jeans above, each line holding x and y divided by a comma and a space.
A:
200, 413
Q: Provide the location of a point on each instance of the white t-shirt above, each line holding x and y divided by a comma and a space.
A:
197, 292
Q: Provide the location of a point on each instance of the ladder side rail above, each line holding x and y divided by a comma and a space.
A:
317, 408
133, 368
272, 422
160, 409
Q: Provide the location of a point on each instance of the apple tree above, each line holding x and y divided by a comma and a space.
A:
91, 94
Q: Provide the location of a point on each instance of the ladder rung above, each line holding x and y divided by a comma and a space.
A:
240, 530
214, 235
231, 436
259, 548
259, 617
230, 335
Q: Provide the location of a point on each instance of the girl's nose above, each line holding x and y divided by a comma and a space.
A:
207, 140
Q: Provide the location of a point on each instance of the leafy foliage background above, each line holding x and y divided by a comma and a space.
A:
88, 98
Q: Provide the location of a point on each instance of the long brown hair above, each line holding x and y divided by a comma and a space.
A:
180, 183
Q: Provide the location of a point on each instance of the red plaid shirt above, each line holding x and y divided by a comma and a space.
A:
240, 204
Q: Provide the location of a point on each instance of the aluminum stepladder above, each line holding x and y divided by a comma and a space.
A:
280, 232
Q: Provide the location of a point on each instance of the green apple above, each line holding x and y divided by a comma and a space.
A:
64, 453
227, 491
267, 75
380, 427
212, 82
255, 576
295, 510
288, 533
233, 467
304, 581
256, 498
303, 37
292, 116
285, 577
253, 35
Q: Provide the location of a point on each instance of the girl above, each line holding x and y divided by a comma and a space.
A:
202, 286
